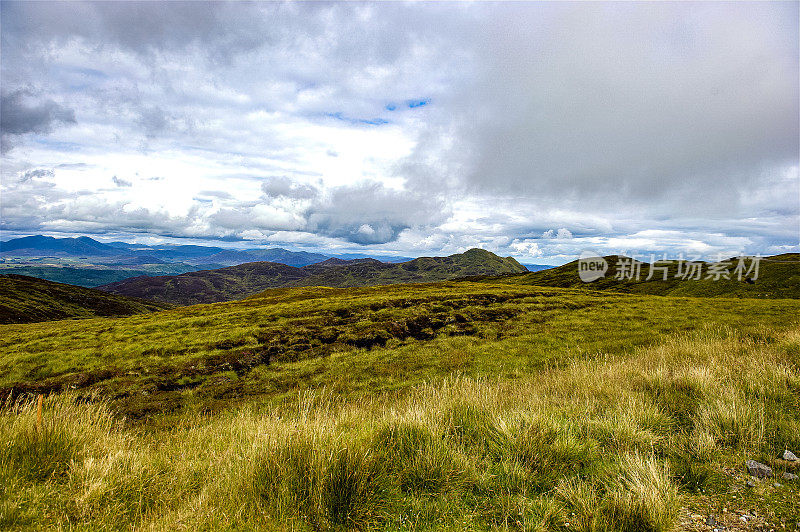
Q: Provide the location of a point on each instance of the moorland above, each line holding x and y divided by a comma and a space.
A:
481, 403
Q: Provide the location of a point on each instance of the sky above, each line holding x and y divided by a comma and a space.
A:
536, 130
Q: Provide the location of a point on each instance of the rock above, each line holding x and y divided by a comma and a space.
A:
789, 456
758, 470
789, 476
751, 484
710, 521
777, 485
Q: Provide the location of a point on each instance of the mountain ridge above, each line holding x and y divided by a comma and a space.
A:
235, 282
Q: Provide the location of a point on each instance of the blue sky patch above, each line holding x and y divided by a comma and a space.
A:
418, 103
349, 120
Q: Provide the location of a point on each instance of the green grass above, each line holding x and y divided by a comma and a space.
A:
353, 341
582, 447
468, 405
28, 299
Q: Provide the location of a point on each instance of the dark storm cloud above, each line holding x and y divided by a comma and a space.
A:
22, 112
673, 106
145, 27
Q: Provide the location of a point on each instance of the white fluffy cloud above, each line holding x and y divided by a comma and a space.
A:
532, 129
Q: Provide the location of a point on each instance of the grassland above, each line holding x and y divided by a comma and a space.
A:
639, 441
27, 299
362, 340
452, 405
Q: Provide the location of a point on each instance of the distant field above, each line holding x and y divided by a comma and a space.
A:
91, 277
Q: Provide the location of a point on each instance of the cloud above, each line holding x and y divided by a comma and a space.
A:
562, 233
370, 213
642, 103
121, 182
21, 113
533, 129
284, 187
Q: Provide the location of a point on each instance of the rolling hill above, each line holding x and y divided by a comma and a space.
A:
208, 286
236, 282
778, 277
28, 299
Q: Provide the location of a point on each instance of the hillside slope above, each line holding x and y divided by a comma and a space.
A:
28, 299
236, 282
778, 277
208, 286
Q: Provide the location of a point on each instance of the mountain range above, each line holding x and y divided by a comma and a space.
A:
86, 262
236, 282
122, 253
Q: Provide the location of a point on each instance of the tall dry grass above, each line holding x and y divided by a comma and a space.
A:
604, 444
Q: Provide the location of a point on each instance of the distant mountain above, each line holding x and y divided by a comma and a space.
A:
290, 258
778, 277
382, 258
41, 254
47, 246
208, 286
236, 282
28, 299
368, 272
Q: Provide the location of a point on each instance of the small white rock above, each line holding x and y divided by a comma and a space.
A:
789, 456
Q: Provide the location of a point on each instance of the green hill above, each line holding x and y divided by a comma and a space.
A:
778, 277
28, 299
236, 282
